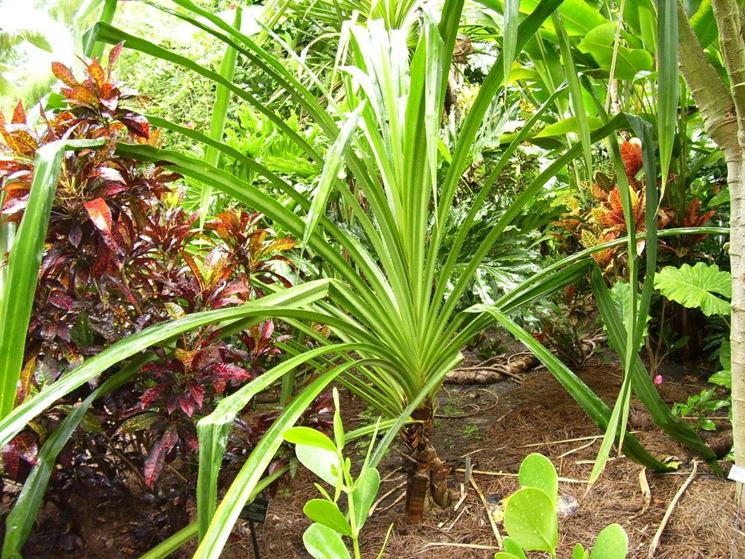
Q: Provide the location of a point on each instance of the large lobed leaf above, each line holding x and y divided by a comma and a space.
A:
697, 287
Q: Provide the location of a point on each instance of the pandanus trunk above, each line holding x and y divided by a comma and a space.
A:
426, 473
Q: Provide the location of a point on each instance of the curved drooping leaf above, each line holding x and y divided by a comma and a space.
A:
271, 305
593, 406
703, 286
239, 492
24, 261
641, 382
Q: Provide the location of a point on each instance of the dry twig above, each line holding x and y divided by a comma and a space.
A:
669, 512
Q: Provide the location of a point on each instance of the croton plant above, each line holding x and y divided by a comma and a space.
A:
121, 254
605, 220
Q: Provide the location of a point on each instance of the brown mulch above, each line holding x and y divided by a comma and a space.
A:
531, 418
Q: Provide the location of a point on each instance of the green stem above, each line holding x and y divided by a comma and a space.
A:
93, 48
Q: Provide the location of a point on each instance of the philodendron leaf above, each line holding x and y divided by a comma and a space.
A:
696, 287
579, 552
363, 494
324, 543
510, 546
530, 520
600, 41
538, 471
611, 543
505, 555
327, 513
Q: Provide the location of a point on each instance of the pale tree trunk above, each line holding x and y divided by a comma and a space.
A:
723, 113
736, 181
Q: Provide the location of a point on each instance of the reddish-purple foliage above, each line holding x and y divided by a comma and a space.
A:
122, 254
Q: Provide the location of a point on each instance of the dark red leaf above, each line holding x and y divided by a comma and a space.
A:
112, 189
75, 234
157, 456
63, 74
230, 372
186, 404
108, 174
197, 393
114, 53
136, 124
20, 453
103, 260
61, 300
150, 395
267, 329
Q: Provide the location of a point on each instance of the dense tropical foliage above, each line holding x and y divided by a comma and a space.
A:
349, 193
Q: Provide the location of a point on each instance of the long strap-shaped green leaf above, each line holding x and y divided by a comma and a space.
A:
575, 91
219, 115
214, 429
593, 406
109, 34
667, 85
261, 456
91, 47
21, 518
254, 198
24, 261
642, 384
271, 305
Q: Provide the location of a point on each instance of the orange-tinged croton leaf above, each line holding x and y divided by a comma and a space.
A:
597, 192
19, 115
63, 74
81, 94
100, 214
631, 153
285, 243
95, 71
21, 142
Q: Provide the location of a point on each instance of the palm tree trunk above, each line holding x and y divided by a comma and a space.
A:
426, 473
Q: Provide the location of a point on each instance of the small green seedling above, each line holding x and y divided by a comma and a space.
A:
324, 539
532, 524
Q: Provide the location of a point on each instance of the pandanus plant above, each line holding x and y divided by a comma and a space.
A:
395, 289
391, 298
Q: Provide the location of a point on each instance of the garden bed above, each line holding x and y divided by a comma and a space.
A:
497, 426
